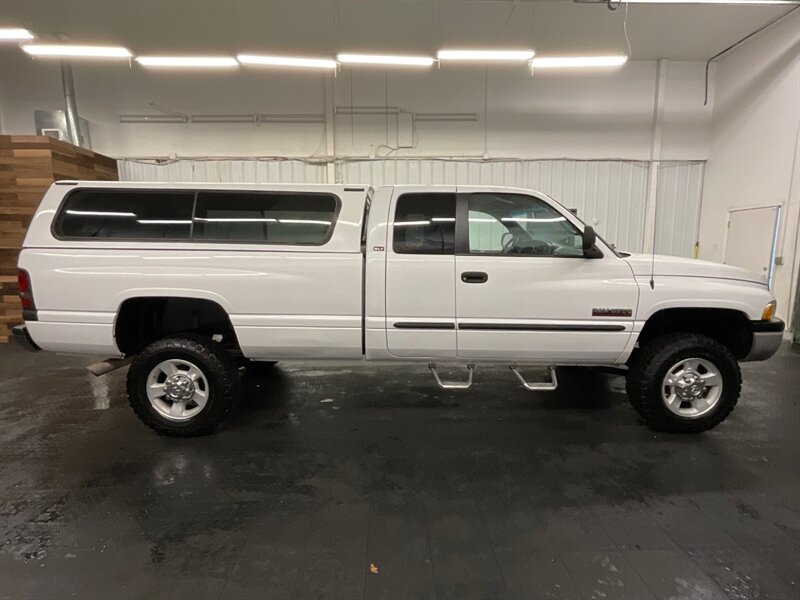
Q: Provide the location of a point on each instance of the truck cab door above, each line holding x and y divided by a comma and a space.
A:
420, 273
525, 290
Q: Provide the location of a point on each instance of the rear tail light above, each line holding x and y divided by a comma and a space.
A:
26, 295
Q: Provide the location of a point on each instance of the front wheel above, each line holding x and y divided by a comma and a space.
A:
183, 386
684, 383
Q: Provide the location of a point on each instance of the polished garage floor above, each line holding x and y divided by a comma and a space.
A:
323, 472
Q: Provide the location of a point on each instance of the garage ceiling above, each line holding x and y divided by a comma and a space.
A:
323, 27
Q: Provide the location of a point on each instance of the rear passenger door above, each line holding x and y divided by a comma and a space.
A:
420, 273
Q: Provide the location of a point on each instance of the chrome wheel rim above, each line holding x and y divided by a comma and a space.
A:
177, 389
692, 388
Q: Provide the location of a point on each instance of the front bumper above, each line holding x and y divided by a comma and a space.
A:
23, 338
767, 338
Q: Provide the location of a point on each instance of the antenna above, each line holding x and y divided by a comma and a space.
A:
655, 163
653, 254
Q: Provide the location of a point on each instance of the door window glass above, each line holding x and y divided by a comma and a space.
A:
425, 223
519, 224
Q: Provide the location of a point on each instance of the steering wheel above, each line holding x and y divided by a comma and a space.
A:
516, 245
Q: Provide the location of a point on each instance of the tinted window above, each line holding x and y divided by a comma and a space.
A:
520, 224
274, 218
425, 224
126, 215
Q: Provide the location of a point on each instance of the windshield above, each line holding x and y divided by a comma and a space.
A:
574, 212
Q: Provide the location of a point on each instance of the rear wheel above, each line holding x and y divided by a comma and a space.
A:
183, 386
684, 383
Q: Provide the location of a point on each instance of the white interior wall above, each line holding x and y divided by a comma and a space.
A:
601, 115
753, 157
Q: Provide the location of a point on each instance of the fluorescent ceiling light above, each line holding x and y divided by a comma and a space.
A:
14, 34
531, 220
566, 62
287, 61
304, 222
101, 213
376, 59
485, 55
164, 221
68, 50
187, 61
234, 220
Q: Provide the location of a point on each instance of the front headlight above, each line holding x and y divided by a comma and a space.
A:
769, 311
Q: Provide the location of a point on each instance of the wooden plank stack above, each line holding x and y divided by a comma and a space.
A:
28, 165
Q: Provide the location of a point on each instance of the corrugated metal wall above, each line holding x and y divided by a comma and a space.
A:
611, 195
680, 187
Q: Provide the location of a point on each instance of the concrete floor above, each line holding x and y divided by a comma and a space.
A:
323, 471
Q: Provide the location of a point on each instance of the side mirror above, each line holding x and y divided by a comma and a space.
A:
590, 249
589, 238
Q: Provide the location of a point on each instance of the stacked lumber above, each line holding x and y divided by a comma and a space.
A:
28, 165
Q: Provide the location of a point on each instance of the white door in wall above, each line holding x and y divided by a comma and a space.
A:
751, 238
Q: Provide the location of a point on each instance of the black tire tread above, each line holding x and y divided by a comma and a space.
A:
222, 366
644, 385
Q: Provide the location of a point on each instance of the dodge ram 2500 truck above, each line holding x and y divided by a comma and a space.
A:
186, 281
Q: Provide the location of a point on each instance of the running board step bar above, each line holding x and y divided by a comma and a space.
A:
545, 386
537, 387
453, 385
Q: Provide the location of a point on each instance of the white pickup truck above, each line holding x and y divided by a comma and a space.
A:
187, 281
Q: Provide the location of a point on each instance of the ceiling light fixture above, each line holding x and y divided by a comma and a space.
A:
187, 61
286, 61
70, 51
486, 55
377, 59
568, 62
15, 34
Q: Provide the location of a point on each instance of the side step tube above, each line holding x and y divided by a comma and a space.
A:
537, 387
453, 385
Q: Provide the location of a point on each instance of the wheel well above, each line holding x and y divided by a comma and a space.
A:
731, 328
141, 321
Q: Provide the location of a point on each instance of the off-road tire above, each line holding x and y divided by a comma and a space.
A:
218, 366
649, 366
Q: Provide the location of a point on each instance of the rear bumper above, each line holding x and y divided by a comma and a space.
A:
767, 338
23, 338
